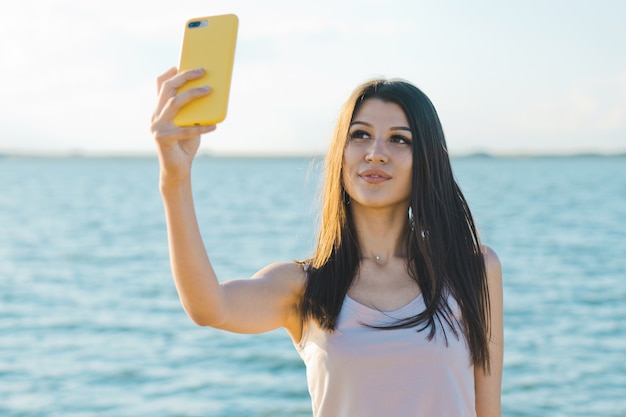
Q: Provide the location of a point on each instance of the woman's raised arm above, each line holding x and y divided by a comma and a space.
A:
253, 305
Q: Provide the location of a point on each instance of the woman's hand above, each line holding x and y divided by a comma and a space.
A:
176, 145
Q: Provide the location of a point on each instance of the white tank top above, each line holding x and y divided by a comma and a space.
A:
357, 371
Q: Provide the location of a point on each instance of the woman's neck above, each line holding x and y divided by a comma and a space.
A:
381, 233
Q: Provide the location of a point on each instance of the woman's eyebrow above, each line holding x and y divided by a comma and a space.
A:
357, 122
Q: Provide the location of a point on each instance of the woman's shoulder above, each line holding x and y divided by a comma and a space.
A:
492, 262
289, 277
493, 271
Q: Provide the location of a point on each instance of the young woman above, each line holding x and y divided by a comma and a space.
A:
399, 310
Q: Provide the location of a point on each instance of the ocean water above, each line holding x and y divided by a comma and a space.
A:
90, 322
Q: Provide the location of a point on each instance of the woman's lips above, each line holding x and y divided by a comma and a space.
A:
374, 176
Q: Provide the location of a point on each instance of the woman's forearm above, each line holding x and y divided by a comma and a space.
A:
196, 282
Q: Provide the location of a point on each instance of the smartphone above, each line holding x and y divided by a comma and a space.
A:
209, 43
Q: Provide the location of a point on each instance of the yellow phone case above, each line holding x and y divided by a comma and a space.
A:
209, 43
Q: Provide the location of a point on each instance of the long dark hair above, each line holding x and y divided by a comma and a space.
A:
443, 249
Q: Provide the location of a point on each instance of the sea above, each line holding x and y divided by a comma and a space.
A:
91, 324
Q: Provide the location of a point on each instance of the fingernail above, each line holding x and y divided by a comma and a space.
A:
199, 70
205, 88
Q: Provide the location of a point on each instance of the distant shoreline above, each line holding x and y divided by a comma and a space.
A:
147, 155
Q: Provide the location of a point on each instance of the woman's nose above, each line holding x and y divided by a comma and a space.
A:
377, 152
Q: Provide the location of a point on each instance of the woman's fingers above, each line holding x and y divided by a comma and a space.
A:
174, 79
169, 83
163, 119
170, 102
174, 103
164, 77
164, 129
174, 134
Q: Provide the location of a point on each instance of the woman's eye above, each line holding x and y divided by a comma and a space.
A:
359, 134
403, 140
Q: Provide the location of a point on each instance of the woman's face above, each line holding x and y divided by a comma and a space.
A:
378, 158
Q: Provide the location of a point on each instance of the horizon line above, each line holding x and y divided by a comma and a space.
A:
277, 155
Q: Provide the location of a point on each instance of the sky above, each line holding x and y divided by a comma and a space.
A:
78, 77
